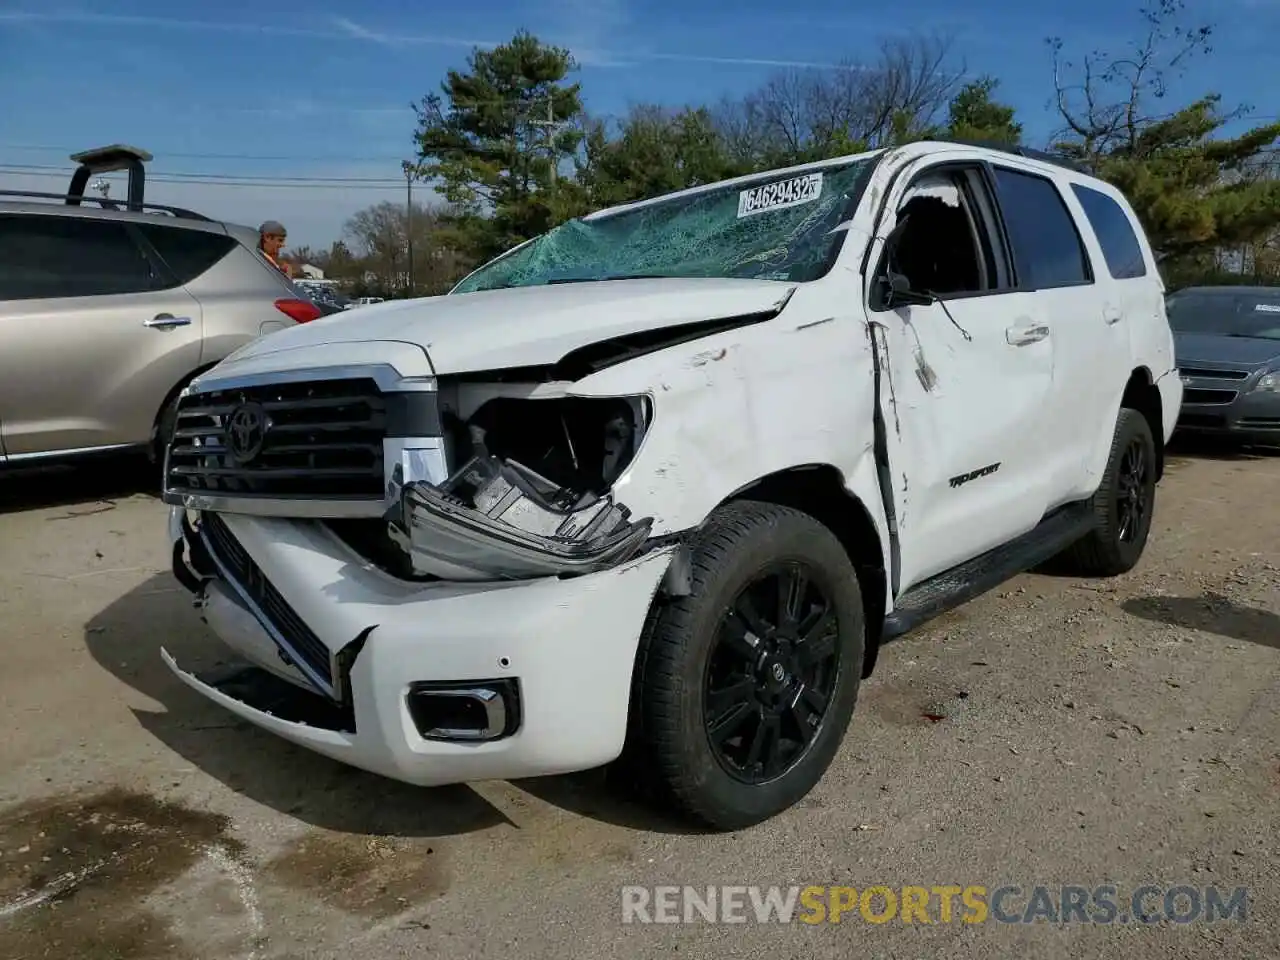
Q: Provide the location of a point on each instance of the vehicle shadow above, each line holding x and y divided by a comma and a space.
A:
96, 480
1211, 613
125, 639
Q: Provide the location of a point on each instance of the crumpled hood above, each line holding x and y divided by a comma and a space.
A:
526, 326
1204, 348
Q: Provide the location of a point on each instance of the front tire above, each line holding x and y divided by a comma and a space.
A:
744, 688
1123, 505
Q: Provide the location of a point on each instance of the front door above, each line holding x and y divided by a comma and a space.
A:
965, 380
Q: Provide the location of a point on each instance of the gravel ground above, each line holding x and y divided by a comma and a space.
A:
1055, 732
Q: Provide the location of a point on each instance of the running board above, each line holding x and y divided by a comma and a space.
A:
957, 586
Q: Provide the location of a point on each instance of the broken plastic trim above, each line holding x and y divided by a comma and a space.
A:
500, 520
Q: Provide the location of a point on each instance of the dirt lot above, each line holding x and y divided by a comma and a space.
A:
1054, 732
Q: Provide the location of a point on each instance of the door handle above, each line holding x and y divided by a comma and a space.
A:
1021, 336
163, 321
1112, 316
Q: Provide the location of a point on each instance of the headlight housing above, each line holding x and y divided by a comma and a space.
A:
1269, 383
534, 496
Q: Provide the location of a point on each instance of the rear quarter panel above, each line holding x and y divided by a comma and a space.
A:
238, 295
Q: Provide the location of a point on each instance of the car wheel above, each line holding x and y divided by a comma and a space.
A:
745, 687
1123, 504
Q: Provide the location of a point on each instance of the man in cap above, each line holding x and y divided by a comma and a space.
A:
271, 238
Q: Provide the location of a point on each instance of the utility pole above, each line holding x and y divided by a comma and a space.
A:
408, 217
552, 128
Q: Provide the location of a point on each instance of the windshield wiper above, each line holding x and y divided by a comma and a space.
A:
613, 276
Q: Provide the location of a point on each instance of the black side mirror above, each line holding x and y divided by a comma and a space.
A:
895, 291
900, 293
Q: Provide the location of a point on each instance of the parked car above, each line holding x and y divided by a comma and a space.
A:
108, 308
1228, 348
325, 297
656, 487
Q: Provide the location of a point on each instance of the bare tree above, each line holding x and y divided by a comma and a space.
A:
1106, 100
379, 237
810, 111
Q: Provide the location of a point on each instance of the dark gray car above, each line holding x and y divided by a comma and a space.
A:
1228, 348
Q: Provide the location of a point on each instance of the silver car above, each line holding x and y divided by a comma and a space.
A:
108, 308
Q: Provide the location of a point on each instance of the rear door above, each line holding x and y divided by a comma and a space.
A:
94, 333
1086, 323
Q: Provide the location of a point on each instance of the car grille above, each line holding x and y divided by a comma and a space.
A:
319, 440
1205, 373
302, 642
1193, 395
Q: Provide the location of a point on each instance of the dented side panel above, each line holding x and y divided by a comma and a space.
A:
741, 405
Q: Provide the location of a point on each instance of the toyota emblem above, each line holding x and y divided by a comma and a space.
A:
246, 431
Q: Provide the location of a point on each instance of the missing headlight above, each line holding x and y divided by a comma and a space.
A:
578, 443
533, 497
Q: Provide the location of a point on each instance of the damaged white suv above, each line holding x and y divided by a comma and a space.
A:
666, 478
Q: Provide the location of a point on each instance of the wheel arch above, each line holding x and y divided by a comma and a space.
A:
819, 491
156, 454
1141, 394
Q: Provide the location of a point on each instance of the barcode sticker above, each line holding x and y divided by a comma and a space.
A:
779, 195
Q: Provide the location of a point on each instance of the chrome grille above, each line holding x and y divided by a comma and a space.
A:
318, 439
1207, 373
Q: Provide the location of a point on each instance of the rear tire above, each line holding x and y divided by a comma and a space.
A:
1123, 504
735, 731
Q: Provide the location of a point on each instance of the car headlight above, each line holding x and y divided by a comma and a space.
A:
1270, 382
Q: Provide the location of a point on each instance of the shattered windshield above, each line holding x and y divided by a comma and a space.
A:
774, 227
1250, 314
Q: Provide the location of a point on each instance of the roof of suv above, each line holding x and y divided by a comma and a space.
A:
78, 203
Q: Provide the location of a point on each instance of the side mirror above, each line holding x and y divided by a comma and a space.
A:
896, 292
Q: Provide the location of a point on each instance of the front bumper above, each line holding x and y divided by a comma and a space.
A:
1214, 408
565, 646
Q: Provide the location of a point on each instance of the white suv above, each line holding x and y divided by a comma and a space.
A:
667, 477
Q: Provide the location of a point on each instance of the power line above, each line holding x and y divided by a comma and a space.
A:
215, 180
297, 157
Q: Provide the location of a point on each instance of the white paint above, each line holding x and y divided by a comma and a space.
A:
492, 329
1029, 380
571, 642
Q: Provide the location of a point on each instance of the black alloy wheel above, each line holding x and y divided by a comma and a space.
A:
771, 674
1132, 500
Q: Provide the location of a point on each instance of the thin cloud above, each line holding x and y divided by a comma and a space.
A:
349, 30
354, 31
164, 23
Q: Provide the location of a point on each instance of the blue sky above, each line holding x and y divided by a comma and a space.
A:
322, 89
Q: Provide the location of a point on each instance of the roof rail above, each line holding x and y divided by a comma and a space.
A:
1044, 156
118, 156
107, 204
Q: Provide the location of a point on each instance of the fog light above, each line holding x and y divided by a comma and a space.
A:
471, 710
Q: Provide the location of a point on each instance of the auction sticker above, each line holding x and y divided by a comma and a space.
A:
779, 195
